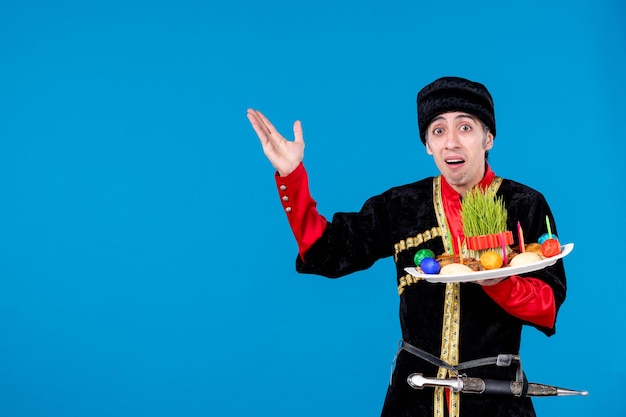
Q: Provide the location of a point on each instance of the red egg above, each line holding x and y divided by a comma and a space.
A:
550, 247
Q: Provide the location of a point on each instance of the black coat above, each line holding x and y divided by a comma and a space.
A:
382, 228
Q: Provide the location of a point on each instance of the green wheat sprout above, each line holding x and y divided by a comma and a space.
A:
482, 212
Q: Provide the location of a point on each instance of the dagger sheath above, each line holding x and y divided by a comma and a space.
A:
492, 386
469, 385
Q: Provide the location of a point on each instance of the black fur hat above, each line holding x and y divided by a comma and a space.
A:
448, 94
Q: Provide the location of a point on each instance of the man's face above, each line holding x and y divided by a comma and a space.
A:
457, 142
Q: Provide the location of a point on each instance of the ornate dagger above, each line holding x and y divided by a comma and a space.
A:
471, 385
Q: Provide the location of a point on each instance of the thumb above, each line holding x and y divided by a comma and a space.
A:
297, 131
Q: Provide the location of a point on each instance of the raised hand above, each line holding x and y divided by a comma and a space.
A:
284, 155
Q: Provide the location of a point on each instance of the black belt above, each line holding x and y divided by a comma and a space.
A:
503, 359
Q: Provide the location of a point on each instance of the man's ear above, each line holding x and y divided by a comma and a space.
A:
489, 141
428, 151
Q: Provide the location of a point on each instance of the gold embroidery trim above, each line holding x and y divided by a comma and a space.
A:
411, 242
405, 281
441, 214
495, 184
449, 349
451, 315
452, 312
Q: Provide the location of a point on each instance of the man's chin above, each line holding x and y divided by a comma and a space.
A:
455, 179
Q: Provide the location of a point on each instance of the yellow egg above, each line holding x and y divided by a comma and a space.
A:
491, 260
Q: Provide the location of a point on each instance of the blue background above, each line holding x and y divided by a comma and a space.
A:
146, 267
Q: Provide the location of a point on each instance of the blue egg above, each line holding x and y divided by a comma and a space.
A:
545, 237
430, 266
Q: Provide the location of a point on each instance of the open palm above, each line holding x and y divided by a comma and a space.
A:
284, 155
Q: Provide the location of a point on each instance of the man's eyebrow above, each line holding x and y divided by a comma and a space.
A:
464, 115
459, 116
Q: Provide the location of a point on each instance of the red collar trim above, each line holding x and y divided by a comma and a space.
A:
449, 192
452, 205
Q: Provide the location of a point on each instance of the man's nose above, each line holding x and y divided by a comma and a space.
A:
452, 140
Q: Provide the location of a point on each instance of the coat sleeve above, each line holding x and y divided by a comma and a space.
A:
305, 221
528, 299
350, 242
535, 296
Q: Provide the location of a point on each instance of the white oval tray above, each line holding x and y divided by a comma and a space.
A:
492, 273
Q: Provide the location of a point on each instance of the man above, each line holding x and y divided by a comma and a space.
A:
455, 322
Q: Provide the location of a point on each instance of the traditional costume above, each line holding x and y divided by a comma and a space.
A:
455, 322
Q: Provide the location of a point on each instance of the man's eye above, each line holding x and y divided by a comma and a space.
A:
466, 128
437, 131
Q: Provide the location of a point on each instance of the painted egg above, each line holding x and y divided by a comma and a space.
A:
550, 247
491, 260
421, 255
545, 237
430, 266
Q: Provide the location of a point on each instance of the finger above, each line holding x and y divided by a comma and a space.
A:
258, 125
271, 137
256, 120
297, 131
268, 125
